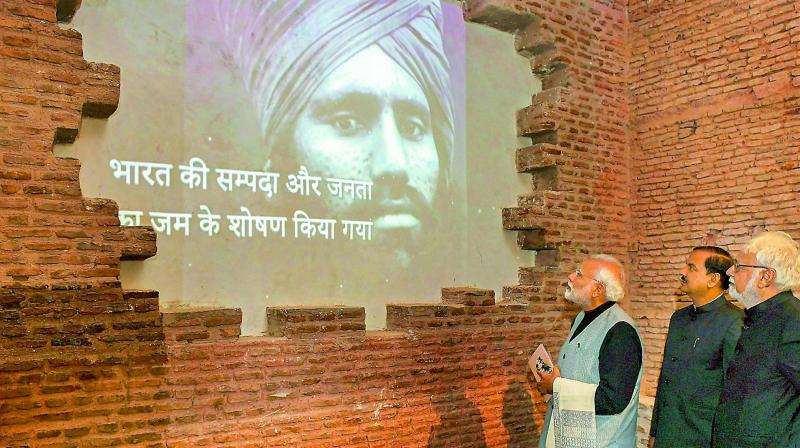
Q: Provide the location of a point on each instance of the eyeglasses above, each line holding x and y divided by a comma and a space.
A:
579, 274
737, 266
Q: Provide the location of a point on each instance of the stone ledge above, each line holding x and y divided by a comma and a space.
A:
536, 239
533, 40
101, 206
539, 275
314, 321
548, 61
66, 9
558, 77
103, 82
201, 324
468, 296
503, 15
523, 218
137, 242
425, 316
551, 97
536, 157
541, 118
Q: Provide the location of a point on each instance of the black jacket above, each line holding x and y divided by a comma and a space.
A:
700, 344
760, 403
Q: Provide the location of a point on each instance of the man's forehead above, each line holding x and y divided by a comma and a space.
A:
698, 257
590, 265
371, 73
744, 255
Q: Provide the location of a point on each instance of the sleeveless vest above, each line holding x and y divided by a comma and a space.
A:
579, 361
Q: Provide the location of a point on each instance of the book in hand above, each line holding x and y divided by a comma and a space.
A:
540, 361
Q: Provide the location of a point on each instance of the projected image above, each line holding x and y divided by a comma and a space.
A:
288, 152
354, 95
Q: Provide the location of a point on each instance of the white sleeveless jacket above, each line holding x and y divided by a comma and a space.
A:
579, 361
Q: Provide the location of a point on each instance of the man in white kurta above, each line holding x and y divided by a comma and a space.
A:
595, 382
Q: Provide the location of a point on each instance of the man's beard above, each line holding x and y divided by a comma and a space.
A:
749, 297
391, 202
392, 259
574, 297
396, 204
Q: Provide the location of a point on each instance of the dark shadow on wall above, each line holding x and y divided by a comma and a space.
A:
518, 416
460, 421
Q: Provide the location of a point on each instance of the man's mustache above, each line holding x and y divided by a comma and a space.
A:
393, 200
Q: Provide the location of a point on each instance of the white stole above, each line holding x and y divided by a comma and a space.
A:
572, 422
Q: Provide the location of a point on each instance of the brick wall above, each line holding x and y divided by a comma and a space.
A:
84, 362
579, 157
80, 358
449, 374
715, 94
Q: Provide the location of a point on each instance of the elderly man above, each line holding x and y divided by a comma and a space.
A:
700, 345
600, 364
760, 403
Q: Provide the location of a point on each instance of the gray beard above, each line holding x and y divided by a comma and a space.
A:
570, 295
749, 297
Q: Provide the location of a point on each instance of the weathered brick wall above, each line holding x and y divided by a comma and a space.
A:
81, 367
79, 357
579, 157
85, 363
716, 99
442, 375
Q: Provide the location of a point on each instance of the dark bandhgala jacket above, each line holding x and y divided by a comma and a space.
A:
760, 403
700, 345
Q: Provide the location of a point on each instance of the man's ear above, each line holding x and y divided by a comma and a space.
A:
598, 289
715, 280
767, 278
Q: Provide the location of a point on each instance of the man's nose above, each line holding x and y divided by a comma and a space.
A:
389, 158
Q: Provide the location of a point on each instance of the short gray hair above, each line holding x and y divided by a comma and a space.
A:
613, 285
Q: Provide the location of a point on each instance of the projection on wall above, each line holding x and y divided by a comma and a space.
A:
287, 152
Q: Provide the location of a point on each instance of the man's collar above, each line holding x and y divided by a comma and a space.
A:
599, 309
768, 306
710, 306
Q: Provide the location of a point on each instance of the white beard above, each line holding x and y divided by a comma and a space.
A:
749, 297
574, 297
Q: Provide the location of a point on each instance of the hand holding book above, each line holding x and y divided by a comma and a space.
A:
540, 361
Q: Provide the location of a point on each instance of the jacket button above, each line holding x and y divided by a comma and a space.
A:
667, 381
674, 358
